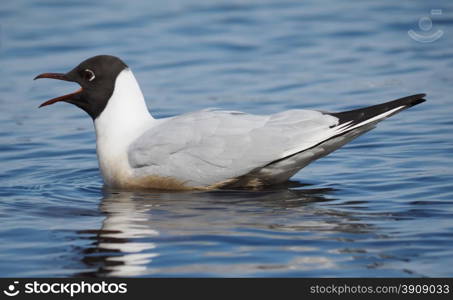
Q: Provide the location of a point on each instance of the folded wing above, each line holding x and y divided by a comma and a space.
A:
211, 146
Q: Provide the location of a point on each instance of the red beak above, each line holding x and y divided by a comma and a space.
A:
58, 76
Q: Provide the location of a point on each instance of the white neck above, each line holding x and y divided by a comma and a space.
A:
124, 119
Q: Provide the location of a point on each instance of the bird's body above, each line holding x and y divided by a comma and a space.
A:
209, 148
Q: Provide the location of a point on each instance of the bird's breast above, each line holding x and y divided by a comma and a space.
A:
113, 163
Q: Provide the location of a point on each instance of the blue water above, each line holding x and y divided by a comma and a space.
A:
380, 206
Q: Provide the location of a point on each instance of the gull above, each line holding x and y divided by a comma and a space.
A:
206, 149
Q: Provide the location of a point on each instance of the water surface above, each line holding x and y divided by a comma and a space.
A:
381, 206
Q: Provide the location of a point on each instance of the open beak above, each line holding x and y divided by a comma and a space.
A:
61, 98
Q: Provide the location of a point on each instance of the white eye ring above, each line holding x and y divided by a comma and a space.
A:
92, 76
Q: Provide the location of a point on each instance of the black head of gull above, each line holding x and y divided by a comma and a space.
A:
96, 77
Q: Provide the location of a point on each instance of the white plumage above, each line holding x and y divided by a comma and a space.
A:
210, 148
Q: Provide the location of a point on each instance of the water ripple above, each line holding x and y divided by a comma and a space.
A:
382, 206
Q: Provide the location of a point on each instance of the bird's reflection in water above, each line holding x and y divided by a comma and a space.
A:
140, 228
118, 249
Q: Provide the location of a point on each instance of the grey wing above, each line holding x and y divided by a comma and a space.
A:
210, 146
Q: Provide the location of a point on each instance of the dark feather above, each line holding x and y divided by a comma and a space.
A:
362, 114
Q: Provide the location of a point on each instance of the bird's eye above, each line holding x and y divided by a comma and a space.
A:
88, 75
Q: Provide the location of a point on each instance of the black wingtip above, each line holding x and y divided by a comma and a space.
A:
419, 99
407, 101
362, 114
